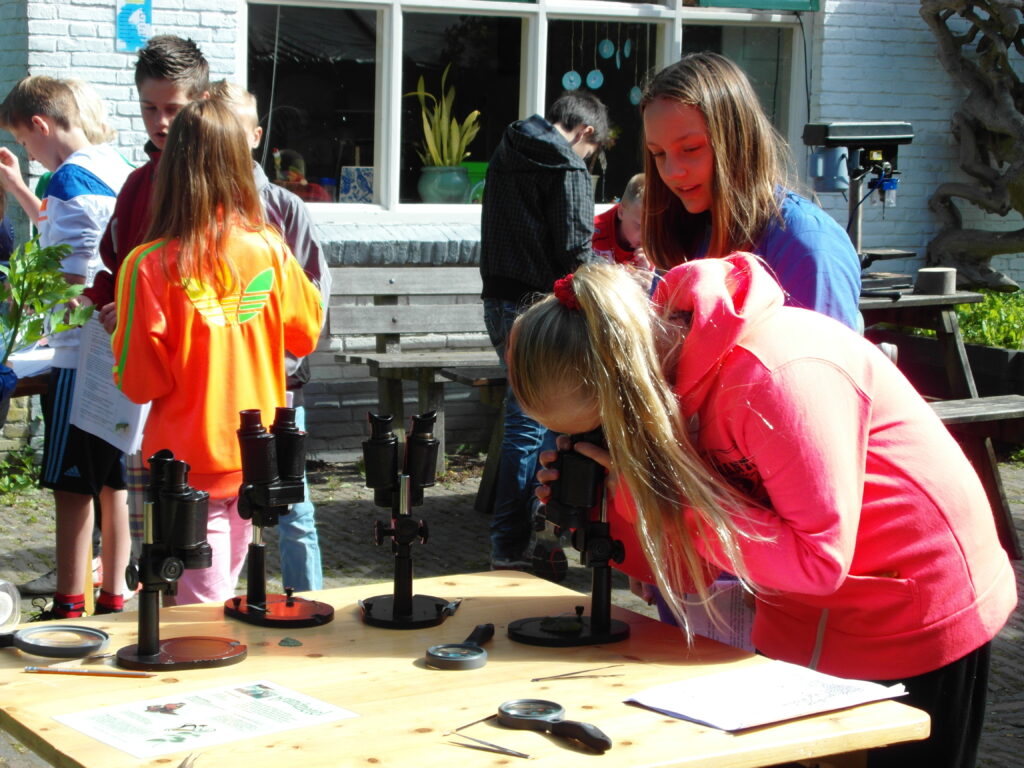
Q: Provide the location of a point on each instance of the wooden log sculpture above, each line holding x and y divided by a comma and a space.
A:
980, 44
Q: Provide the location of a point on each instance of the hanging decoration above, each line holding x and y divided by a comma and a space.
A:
595, 78
635, 94
618, 45
571, 80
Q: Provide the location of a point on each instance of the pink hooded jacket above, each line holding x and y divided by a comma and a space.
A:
882, 560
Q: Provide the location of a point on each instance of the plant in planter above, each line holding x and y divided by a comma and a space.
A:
33, 299
444, 144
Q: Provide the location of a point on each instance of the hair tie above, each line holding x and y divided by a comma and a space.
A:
565, 293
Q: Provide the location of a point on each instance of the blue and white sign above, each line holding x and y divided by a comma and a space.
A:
134, 25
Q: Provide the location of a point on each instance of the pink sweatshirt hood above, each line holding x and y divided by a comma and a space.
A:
726, 298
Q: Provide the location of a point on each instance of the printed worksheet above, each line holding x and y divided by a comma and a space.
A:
192, 721
759, 694
98, 406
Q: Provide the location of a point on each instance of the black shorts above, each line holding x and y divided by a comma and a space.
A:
74, 460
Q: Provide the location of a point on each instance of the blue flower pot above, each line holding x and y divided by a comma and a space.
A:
443, 184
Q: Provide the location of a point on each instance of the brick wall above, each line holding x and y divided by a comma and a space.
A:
875, 60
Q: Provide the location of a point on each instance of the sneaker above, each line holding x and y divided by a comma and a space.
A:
43, 586
510, 563
43, 610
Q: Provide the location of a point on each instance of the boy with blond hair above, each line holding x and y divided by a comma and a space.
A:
301, 568
617, 230
43, 116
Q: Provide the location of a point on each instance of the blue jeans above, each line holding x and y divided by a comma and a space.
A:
524, 440
297, 538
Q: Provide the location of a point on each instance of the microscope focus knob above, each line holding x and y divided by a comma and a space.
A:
424, 532
379, 531
171, 569
131, 577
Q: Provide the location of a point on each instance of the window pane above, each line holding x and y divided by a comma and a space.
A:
610, 59
483, 54
763, 53
317, 107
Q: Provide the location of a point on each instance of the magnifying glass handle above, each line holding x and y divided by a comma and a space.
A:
481, 634
586, 733
6, 639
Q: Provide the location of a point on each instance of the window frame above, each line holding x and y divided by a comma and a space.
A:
668, 19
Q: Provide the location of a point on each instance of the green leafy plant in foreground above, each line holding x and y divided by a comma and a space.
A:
34, 297
998, 321
19, 470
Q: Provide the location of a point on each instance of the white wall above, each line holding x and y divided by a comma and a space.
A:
877, 61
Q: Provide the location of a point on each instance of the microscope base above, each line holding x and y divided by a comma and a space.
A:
280, 611
426, 611
185, 653
538, 631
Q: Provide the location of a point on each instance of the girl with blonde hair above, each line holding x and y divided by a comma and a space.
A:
717, 183
206, 309
775, 444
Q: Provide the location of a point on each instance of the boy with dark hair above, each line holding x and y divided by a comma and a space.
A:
170, 72
536, 225
42, 114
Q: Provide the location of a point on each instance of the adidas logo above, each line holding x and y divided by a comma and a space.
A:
72, 472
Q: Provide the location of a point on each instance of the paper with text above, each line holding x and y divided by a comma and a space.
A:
98, 406
192, 721
759, 694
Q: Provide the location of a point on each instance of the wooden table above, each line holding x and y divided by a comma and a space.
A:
405, 708
937, 313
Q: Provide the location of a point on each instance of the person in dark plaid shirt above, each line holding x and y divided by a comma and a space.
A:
537, 224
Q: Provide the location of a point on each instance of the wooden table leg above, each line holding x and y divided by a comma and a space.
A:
484, 502
982, 457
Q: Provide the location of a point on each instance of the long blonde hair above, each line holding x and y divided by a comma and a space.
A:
612, 351
204, 186
749, 163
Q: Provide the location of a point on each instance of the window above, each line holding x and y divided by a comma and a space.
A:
317, 104
482, 56
611, 60
332, 79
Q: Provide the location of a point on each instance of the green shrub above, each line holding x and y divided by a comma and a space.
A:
998, 321
19, 470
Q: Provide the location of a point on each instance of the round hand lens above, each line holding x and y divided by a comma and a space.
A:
465, 655
541, 715
58, 642
10, 612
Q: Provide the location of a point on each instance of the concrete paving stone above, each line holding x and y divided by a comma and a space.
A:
458, 542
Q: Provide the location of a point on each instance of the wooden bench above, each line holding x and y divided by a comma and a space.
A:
410, 324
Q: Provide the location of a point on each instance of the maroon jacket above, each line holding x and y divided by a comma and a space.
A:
127, 226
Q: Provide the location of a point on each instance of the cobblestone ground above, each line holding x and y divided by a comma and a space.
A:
458, 543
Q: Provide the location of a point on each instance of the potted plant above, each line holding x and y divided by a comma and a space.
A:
444, 144
33, 299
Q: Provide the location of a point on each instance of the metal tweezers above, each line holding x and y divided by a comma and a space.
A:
577, 675
483, 746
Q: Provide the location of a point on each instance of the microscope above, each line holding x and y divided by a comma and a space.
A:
273, 468
848, 156
173, 540
398, 474
578, 503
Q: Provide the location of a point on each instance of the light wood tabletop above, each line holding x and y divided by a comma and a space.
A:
404, 708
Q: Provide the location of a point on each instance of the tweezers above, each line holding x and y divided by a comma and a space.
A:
577, 675
486, 746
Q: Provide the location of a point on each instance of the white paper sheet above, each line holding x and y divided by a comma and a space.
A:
192, 721
31, 361
759, 694
98, 406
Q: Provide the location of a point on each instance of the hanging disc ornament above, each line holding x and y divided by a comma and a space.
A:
606, 49
595, 79
571, 80
627, 48
635, 94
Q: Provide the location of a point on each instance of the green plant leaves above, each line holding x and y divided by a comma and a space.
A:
445, 141
998, 321
34, 295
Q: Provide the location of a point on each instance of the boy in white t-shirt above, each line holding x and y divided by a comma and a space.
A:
43, 116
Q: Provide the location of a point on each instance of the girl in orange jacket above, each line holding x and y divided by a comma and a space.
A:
206, 309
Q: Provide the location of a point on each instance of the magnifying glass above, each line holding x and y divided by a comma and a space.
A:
541, 715
465, 655
10, 600
57, 642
